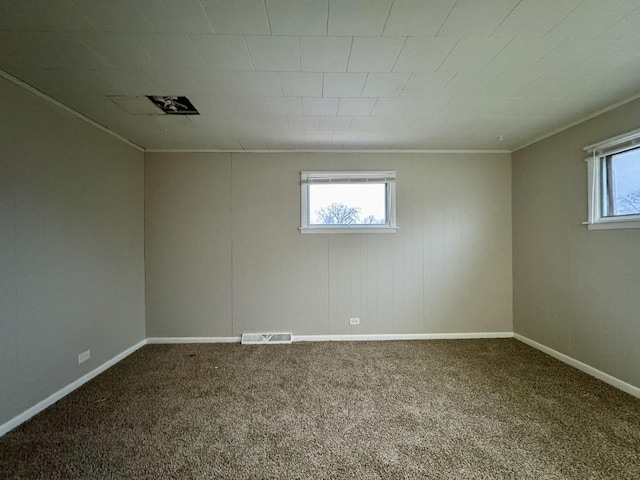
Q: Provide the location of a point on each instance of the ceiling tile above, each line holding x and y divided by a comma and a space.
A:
366, 123
424, 54
573, 52
128, 82
231, 106
48, 50
298, 17
547, 13
356, 106
374, 54
358, 17
595, 16
505, 106
276, 54
237, 16
467, 19
473, 53
320, 106
397, 123
136, 105
603, 88
223, 52
63, 84
43, 16
343, 84
299, 122
284, 105
490, 84
385, 84
391, 106
324, 54
427, 106
246, 84
171, 51
301, 84
628, 26
115, 16
339, 137
613, 54
172, 82
417, 17
176, 16
426, 84
335, 123
120, 50
523, 52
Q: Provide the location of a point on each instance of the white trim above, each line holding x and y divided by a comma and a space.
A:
165, 340
348, 229
594, 372
314, 150
399, 336
614, 225
63, 392
616, 141
579, 121
595, 220
69, 110
382, 177
340, 338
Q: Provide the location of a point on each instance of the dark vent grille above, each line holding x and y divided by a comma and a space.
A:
174, 105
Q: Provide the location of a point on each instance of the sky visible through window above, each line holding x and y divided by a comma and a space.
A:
344, 204
626, 184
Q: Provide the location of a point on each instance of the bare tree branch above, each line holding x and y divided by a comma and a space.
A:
338, 214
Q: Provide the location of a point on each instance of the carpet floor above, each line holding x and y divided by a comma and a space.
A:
450, 409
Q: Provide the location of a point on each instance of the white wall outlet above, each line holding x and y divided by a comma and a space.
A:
354, 321
84, 356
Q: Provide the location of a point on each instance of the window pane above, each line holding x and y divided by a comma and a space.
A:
622, 184
347, 204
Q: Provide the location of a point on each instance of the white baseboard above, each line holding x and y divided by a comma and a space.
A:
594, 372
63, 392
341, 338
399, 336
161, 340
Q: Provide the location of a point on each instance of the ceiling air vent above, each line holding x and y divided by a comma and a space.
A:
174, 105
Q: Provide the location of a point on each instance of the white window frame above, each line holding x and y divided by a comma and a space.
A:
598, 153
324, 177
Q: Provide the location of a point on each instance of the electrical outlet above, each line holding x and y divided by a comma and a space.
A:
84, 356
354, 321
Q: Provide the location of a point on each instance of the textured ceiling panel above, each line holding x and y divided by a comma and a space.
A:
342, 74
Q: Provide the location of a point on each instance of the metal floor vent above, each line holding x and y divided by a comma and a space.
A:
265, 338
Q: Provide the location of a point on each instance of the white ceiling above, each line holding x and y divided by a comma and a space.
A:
330, 74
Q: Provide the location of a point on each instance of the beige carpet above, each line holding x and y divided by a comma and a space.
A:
451, 409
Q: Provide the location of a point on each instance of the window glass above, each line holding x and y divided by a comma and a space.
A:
621, 184
347, 204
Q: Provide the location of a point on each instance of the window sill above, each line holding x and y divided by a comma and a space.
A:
363, 229
613, 224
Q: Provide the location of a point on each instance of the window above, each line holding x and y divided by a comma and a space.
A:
348, 202
614, 183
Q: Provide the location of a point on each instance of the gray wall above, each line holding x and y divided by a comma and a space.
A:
575, 290
224, 254
71, 248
